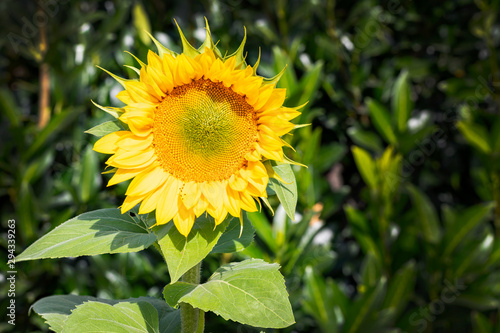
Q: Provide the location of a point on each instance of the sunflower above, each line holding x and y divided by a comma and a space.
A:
201, 130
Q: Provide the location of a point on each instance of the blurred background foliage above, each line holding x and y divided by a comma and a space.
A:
398, 226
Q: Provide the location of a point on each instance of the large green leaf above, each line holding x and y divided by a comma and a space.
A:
426, 214
286, 192
56, 309
97, 232
382, 120
182, 253
402, 104
231, 240
251, 292
123, 317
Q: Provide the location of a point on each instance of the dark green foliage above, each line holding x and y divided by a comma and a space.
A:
398, 220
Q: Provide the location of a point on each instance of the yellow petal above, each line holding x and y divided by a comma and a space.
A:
167, 205
131, 159
212, 190
124, 96
149, 180
201, 206
184, 71
247, 202
256, 169
154, 61
139, 92
184, 219
257, 187
270, 154
122, 175
276, 99
190, 194
282, 113
237, 183
132, 142
150, 202
152, 87
264, 94
107, 144
270, 142
232, 201
139, 130
130, 202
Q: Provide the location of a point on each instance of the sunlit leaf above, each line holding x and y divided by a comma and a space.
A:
97, 232
250, 292
183, 253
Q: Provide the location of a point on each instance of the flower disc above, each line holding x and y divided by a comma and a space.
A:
202, 131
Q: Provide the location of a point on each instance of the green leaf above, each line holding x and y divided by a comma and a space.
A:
281, 60
141, 23
366, 139
263, 229
402, 104
382, 120
495, 135
89, 175
465, 222
361, 231
364, 307
56, 309
371, 271
9, 107
287, 193
309, 83
57, 123
426, 214
366, 166
474, 253
401, 288
319, 301
182, 253
476, 135
97, 232
250, 292
122, 317
478, 302
231, 241
342, 302
105, 128
481, 324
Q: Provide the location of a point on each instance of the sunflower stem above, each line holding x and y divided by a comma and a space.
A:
192, 319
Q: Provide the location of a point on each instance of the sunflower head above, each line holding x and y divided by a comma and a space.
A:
199, 133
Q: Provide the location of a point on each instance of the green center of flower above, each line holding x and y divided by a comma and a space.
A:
203, 130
